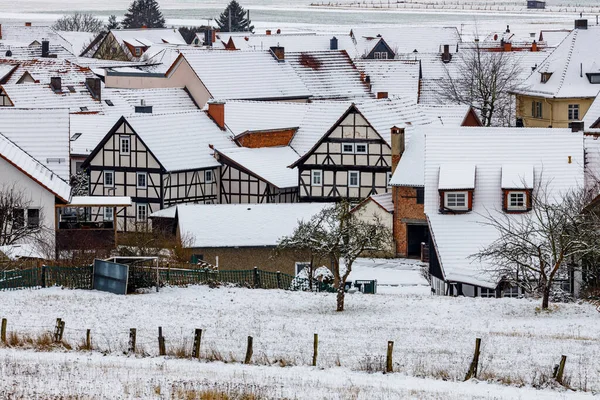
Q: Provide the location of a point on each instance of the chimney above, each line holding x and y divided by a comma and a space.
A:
144, 26
214, 35
45, 48
95, 87
398, 144
278, 53
362, 76
0, 31
333, 43
208, 36
278, 31
577, 126
581, 24
27, 23
446, 56
382, 95
268, 32
507, 28
216, 110
56, 84
143, 108
507, 46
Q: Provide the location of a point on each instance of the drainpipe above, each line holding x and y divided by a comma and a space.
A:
551, 111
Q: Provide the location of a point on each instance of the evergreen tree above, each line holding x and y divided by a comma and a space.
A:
143, 13
112, 23
189, 33
234, 16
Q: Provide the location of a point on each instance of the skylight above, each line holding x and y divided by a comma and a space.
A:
75, 136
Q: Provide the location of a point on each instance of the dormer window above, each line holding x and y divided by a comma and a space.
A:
517, 181
545, 76
594, 77
456, 185
138, 51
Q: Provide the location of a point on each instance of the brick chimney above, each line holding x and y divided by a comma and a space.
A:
0, 31
279, 31
27, 23
268, 32
507, 46
446, 56
534, 46
56, 84
382, 95
94, 85
216, 110
214, 35
278, 53
398, 146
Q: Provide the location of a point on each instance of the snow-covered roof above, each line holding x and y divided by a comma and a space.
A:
87, 130
180, 141
452, 115
406, 39
146, 37
22, 51
410, 170
569, 65
41, 133
456, 176
165, 213
384, 200
42, 69
396, 77
243, 116
246, 75
16, 156
76, 42
23, 250
241, 225
26, 35
558, 163
268, 163
328, 74
592, 115
87, 201
517, 176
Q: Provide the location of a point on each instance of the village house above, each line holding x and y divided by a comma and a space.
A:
474, 172
562, 87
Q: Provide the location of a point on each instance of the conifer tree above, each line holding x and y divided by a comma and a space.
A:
143, 13
112, 23
234, 19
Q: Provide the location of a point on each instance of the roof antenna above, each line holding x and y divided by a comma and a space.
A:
581, 70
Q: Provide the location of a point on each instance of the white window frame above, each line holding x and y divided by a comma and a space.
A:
109, 214
512, 292
344, 151
573, 112
138, 51
112, 174
124, 139
511, 207
456, 207
361, 152
137, 212
306, 264
137, 180
350, 174
209, 176
489, 293
316, 173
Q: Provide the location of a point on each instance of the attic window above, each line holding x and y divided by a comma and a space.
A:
545, 76
109, 103
83, 108
458, 201
456, 185
138, 51
71, 88
593, 78
516, 200
75, 136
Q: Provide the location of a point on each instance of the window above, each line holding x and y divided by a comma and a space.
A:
420, 195
536, 109
456, 200
18, 221
380, 55
353, 179
109, 213
511, 291
142, 180
33, 218
316, 178
573, 112
517, 201
347, 148
208, 176
593, 78
142, 212
138, 51
109, 178
125, 147
545, 76
389, 178
109, 103
75, 136
83, 109
485, 292
71, 88
301, 266
361, 148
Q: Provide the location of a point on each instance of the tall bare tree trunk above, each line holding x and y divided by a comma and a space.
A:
340, 296
546, 297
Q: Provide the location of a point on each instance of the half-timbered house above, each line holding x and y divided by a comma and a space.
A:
159, 161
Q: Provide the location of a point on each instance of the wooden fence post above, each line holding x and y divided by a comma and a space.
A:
248, 351
88, 339
43, 276
132, 340
62, 330
197, 341
3, 330
256, 278
315, 349
57, 330
472, 373
561, 369
161, 342
389, 363
278, 280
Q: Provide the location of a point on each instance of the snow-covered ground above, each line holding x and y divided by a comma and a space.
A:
434, 338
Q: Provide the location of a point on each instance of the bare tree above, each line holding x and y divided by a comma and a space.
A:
78, 22
483, 80
341, 237
19, 221
536, 248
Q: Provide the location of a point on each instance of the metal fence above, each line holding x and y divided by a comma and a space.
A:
144, 277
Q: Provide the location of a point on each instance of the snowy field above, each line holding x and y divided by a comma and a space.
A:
434, 338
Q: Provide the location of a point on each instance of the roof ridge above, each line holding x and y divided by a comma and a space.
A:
566, 67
